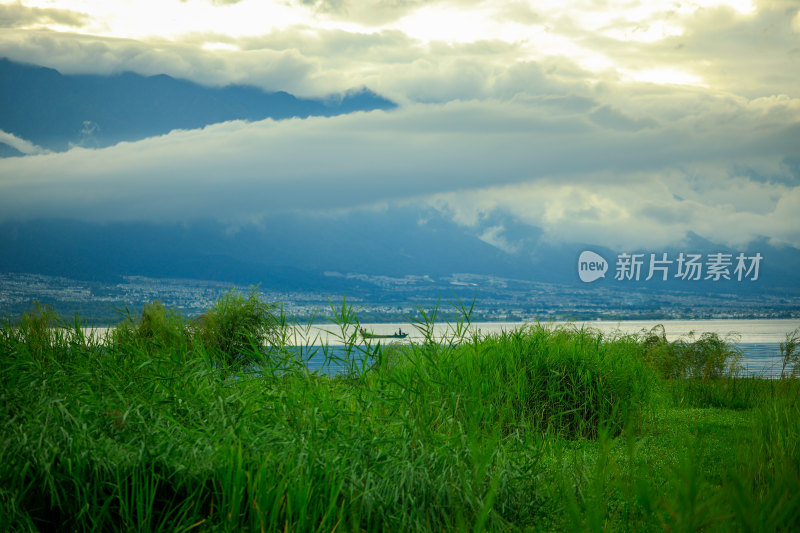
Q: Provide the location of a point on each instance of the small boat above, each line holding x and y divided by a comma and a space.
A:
368, 335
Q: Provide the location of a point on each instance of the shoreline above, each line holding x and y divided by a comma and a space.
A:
745, 331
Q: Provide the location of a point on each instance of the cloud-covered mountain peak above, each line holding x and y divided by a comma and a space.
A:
46, 108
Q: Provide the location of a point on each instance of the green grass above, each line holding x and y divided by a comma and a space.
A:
165, 427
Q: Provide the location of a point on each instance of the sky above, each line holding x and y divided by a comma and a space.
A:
620, 123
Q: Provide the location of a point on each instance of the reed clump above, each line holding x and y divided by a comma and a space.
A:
159, 329
558, 380
707, 357
232, 332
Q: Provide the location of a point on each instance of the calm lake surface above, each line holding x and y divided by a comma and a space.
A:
743, 331
759, 340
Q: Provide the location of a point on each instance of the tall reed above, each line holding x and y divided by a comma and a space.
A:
168, 426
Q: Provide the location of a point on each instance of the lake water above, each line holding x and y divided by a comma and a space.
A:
744, 331
759, 340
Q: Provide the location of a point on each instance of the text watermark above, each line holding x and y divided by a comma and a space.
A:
683, 266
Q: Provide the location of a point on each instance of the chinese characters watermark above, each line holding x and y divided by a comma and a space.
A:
685, 267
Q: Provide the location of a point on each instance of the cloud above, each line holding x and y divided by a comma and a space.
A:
640, 211
744, 54
300, 60
748, 55
21, 145
18, 16
576, 52
549, 167
377, 12
272, 70
612, 118
629, 127
494, 235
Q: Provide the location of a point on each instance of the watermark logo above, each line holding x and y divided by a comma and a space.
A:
591, 266
717, 266
688, 267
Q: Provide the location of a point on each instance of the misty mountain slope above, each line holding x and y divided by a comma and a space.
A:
56, 111
301, 247
297, 250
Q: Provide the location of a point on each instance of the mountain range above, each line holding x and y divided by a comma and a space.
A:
56, 111
301, 251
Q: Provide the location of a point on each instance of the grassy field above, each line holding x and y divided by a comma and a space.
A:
176, 425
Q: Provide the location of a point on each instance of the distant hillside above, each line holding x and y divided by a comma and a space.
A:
295, 251
288, 251
55, 111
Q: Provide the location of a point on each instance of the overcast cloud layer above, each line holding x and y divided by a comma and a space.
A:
629, 125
